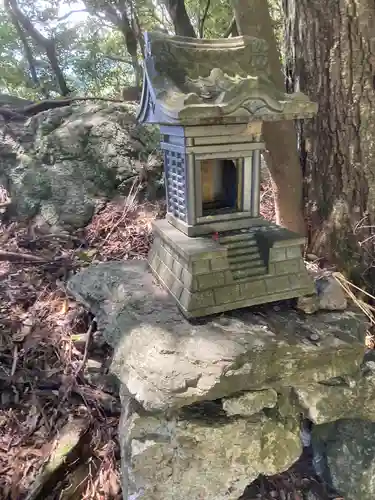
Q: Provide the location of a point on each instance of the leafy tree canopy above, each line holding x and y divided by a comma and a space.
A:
50, 48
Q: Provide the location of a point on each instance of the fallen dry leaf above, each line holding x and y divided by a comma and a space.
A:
64, 307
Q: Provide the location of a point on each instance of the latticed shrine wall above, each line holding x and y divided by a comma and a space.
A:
175, 172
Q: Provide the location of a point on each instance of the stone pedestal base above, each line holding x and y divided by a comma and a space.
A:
208, 407
241, 268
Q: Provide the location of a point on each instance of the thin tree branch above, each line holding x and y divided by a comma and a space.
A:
27, 24
203, 20
33, 109
83, 362
119, 17
117, 58
57, 103
229, 30
19, 257
68, 14
47, 44
26, 47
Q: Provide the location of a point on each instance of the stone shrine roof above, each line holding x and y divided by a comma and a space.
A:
201, 81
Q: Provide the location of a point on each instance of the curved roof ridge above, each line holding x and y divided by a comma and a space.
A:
195, 81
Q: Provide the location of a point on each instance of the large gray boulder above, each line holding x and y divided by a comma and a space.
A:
211, 404
346, 450
167, 362
352, 396
65, 161
199, 453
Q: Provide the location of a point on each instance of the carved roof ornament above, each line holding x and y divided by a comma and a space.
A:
201, 81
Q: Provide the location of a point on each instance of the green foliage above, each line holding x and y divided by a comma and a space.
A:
12, 71
83, 43
277, 14
90, 44
89, 65
218, 17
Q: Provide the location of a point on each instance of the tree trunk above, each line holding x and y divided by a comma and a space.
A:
52, 57
330, 55
131, 42
180, 18
253, 18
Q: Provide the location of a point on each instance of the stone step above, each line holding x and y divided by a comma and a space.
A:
242, 251
252, 264
245, 258
241, 244
249, 273
244, 237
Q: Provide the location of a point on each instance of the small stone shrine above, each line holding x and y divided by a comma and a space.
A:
214, 252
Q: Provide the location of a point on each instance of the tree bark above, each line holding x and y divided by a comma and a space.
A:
253, 18
330, 55
180, 18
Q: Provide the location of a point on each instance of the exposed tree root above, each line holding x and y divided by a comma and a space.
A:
32, 109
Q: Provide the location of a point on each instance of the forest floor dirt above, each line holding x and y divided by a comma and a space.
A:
54, 379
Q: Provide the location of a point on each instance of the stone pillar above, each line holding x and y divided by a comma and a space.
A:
255, 184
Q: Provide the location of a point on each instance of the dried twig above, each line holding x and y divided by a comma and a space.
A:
128, 205
52, 236
15, 359
42, 412
347, 285
87, 345
19, 257
35, 108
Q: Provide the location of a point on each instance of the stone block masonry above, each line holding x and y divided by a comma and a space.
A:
240, 269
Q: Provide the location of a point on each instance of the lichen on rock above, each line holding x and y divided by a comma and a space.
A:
249, 403
166, 361
66, 161
347, 450
210, 405
349, 396
187, 456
